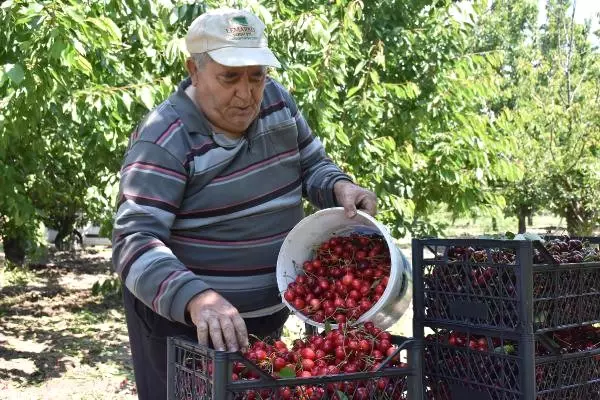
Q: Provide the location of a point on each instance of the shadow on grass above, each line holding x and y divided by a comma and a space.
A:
77, 262
50, 328
63, 346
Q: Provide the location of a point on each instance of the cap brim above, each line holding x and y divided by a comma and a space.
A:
244, 56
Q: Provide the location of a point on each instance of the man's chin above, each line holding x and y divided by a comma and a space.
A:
241, 125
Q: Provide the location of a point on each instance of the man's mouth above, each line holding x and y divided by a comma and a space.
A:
243, 110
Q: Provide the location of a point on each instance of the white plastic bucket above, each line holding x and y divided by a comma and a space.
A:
308, 234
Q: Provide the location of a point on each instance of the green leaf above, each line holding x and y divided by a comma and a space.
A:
106, 286
342, 137
112, 28
341, 395
287, 372
127, 100
56, 49
327, 326
107, 25
14, 72
75, 15
145, 96
374, 76
506, 349
353, 91
79, 47
84, 64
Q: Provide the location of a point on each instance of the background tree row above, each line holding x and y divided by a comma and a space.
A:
432, 104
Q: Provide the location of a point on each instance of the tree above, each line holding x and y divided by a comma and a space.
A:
75, 79
509, 26
398, 96
549, 103
394, 90
568, 112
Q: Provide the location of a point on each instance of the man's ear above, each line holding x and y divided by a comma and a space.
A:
192, 68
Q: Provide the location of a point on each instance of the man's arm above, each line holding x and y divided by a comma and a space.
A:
151, 190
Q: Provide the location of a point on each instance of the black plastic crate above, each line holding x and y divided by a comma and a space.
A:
496, 284
199, 373
589, 239
506, 368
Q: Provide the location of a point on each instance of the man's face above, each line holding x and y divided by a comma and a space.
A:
230, 97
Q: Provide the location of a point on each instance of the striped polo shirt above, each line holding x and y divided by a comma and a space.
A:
198, 210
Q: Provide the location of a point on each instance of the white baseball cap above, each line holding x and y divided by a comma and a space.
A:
235, 38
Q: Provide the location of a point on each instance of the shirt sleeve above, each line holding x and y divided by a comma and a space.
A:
151, 190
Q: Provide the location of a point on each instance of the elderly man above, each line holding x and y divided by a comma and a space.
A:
211, 184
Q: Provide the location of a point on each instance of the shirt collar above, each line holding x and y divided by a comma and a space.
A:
191, 117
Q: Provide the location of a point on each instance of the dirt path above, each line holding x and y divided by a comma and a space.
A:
57, 340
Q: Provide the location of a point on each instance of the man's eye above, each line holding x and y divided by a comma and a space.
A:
230, 77
258, 77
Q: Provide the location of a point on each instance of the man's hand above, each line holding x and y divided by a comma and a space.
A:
351, 196
215, 316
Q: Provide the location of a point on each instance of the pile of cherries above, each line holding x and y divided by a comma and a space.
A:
483, 360
345, 350
347, 276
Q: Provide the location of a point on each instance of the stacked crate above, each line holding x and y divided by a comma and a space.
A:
502, 318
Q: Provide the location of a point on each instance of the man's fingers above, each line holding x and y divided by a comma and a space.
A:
350, 210
229, 333
241, 331
202, 332
369, 205
216, 335
217, 320
348, 202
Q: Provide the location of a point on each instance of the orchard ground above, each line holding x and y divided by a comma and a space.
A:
60, 341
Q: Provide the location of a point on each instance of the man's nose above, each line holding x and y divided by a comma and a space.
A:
244, 88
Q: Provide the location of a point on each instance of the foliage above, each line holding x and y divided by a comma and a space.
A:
398, 98
76, 77
508, 26
11, 274
570, 78
549, 98
108, 287
413, 99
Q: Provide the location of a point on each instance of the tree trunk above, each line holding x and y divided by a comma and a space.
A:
522, 216
578, 226
66, 229
530, 220
14, 250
